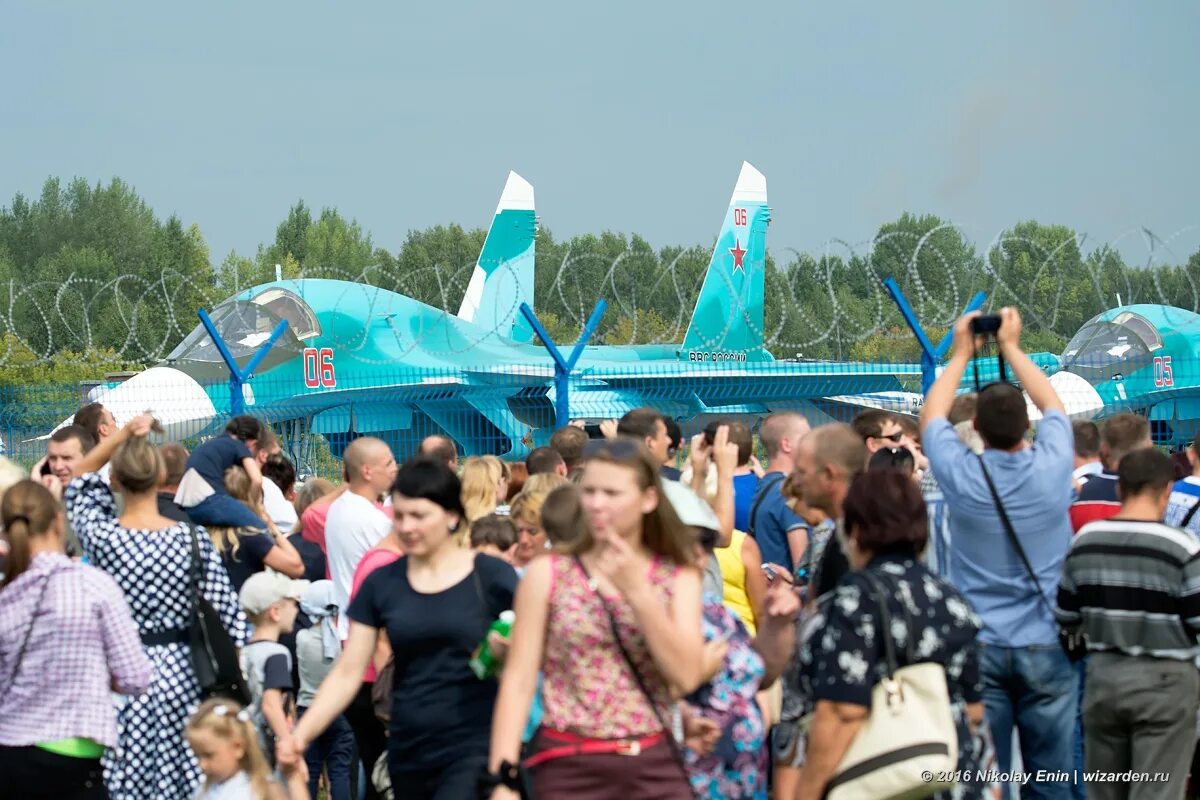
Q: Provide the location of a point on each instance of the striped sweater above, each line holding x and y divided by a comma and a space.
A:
1134, 588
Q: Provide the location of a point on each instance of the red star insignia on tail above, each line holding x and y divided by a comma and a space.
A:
738, 255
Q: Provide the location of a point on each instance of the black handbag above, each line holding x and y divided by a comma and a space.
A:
214, 655
1074, 644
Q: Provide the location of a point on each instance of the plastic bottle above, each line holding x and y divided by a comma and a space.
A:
483, 662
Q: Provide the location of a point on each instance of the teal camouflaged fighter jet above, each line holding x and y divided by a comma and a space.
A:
357, 359
1141, 358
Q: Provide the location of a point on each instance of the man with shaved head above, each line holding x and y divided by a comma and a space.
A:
440, 448
781, 535
357, 520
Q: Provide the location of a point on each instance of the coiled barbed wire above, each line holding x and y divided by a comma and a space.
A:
144, 319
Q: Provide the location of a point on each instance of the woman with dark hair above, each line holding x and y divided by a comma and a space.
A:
436, 604
150, 558
614, 622
886, 530
66, 639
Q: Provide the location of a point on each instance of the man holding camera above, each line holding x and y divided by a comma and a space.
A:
1027, 678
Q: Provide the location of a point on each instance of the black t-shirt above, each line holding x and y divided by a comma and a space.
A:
252, 549
212, 458
311, 555
441, 712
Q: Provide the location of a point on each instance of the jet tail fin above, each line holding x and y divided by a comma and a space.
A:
727, 324
504, 274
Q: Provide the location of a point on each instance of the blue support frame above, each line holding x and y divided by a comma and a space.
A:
238, 377
563, 367
930, 356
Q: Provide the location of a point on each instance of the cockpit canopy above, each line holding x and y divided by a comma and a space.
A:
1103, 350
246, 324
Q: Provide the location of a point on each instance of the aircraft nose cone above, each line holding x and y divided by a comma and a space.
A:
1081, 399
173, 397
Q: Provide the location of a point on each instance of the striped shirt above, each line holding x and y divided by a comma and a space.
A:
1134, 588
1184, 496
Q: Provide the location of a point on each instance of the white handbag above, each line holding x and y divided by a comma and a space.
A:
909, 734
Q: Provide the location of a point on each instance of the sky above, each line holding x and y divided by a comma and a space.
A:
632, 117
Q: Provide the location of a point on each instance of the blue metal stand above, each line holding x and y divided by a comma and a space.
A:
238, 376
930, 356
563, 367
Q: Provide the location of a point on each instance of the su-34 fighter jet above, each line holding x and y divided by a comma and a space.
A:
358, 360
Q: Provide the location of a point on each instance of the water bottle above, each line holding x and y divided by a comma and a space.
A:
483, 662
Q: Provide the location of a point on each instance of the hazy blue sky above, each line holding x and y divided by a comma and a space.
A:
629, 117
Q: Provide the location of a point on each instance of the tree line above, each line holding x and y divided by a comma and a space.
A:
92, 281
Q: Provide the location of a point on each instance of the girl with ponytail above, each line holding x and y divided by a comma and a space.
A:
66, 639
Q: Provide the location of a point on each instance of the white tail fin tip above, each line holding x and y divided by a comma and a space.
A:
517, 195
751, 186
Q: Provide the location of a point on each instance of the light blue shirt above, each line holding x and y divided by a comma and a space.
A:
1035, 486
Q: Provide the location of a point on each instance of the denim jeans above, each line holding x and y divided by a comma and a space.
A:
223, 511
1036, 689
332, 750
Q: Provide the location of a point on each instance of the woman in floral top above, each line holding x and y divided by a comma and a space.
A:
886, 529
606, 729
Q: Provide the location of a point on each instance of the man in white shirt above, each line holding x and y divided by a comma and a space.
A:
356, 520
279, 492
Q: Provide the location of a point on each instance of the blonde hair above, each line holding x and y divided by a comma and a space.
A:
228, 721
10, 474
312, 491
543, 483
137, 466
527, 506
237, 483
480, 477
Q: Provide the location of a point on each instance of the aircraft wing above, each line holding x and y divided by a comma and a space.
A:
686, 389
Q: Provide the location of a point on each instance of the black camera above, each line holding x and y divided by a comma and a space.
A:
988, 323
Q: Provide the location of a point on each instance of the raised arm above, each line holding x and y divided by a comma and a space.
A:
102, 453
1031, 378
940, 397
725, 455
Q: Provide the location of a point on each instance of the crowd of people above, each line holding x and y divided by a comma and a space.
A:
634, 615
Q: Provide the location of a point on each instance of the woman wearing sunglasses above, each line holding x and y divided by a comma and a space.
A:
613, 620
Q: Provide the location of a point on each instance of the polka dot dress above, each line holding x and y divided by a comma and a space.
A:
152, 760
